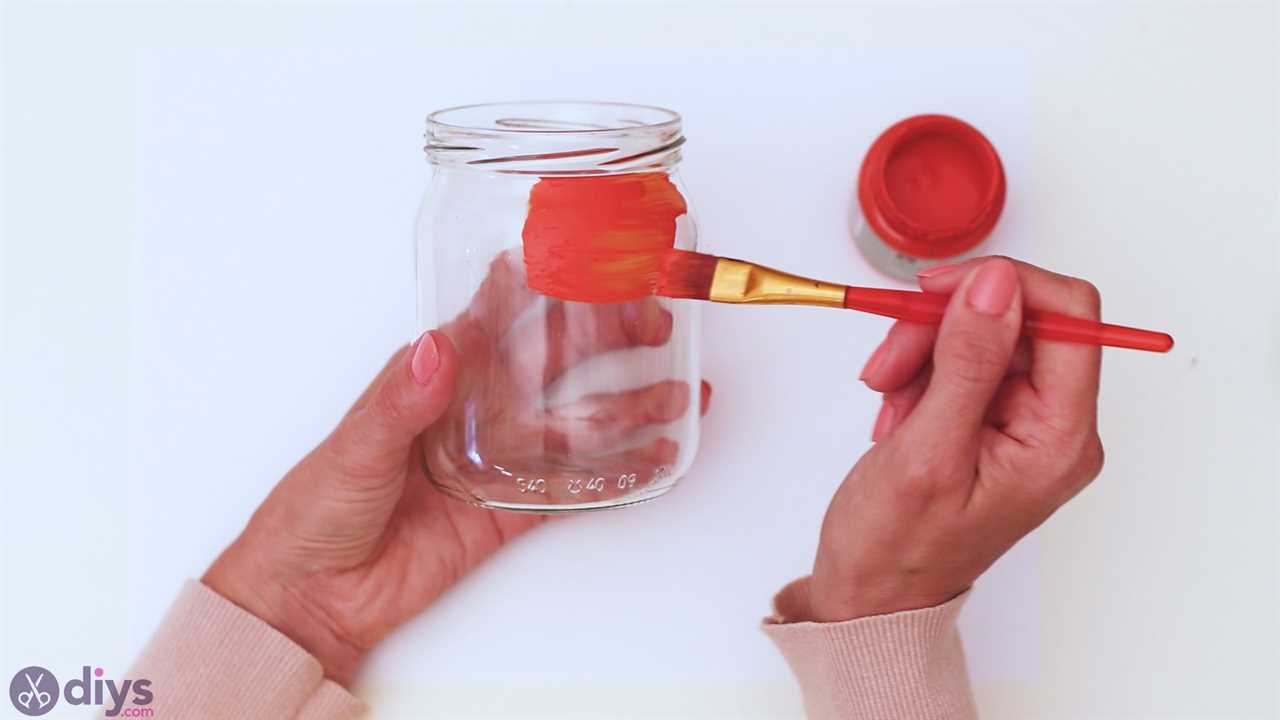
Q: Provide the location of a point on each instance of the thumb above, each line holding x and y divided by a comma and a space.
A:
975, 345
410, 393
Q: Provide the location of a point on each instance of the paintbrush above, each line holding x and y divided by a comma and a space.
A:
684, 274
609, 239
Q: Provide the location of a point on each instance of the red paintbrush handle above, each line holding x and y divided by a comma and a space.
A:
928, 308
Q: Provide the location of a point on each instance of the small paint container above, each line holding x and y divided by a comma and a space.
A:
930, 189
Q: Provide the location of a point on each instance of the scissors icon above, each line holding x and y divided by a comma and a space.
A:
35, 694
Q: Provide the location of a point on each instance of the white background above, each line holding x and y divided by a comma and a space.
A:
207, 227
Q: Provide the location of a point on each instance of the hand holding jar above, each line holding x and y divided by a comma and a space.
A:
518, 401
355, 540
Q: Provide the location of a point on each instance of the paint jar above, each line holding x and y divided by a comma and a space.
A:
560, 405
930, 189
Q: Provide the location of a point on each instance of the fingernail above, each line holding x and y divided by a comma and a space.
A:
992, 287
426, 359
874, 362
883, 422
937, 270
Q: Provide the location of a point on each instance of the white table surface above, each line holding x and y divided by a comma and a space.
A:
207, 221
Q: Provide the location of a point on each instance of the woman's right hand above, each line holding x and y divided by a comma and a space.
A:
981, 437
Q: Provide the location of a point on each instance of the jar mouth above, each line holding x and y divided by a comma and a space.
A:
557, 137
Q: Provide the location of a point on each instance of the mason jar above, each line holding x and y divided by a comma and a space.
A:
561, 405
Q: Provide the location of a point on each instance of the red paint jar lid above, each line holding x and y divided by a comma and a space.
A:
931, 186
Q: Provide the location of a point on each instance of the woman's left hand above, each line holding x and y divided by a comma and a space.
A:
355, 539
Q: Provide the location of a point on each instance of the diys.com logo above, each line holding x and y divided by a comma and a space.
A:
35, 691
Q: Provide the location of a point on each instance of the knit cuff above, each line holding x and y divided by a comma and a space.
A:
210, 658
907, 664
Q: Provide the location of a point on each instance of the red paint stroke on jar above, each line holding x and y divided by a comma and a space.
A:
931, 186
599, 238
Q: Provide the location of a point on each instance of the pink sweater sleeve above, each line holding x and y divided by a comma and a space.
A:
885, 667
211, 659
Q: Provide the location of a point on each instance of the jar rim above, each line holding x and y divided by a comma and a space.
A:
555, 137
441, 118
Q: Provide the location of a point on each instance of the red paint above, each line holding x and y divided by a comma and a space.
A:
931, 186
599, 238
685, 274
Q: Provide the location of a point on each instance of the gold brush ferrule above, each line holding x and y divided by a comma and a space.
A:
736, 281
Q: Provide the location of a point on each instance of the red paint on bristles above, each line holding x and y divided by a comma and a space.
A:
599, 238
684, 274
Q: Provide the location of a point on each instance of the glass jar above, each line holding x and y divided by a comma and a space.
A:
561, 405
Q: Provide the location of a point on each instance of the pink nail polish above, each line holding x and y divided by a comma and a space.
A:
884, 420
874, 362
426, 359
991, 290
934, 271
